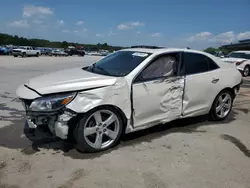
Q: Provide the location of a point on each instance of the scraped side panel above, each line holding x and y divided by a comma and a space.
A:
157, 101
171, 102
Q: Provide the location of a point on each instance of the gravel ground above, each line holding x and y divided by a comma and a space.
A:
190, 153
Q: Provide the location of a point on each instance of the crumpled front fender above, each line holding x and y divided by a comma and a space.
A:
117, 95
26, 93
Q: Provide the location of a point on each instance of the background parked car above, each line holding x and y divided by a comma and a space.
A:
241, 59
73, 51
26, 51
46, 51
104, 52
4, 50
95, 53
58, 52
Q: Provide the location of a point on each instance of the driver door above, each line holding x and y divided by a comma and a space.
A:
158, 91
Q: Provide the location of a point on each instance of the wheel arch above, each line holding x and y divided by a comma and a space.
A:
74, 121
116, 108
231, 90
246, 65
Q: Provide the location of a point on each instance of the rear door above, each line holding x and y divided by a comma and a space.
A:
202, 83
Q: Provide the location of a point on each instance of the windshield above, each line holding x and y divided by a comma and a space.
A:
239, 55
119, 63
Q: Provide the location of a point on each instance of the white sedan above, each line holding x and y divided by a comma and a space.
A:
241, 59
127, 91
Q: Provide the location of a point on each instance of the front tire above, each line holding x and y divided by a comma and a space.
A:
246, 71
99, 130
222, 105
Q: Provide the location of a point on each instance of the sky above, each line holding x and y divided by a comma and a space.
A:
171, 23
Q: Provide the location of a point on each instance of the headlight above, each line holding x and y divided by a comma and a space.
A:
51, 103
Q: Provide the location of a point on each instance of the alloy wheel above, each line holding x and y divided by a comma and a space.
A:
101, 129
246, 71
223, 105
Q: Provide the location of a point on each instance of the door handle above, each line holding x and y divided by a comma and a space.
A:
215, 80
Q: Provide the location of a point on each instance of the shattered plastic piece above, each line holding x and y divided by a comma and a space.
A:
31, 124
61, 130
61, 125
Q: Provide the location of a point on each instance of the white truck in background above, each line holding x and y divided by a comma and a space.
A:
26, 51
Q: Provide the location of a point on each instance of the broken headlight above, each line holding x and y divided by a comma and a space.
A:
51, 103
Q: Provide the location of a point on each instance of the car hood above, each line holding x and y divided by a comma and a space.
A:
69, 80
232, 59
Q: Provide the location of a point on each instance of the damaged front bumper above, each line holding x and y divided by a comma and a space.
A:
56, 123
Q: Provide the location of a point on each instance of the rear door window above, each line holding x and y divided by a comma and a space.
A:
195, 63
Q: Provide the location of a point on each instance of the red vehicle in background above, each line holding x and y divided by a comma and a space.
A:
78, 50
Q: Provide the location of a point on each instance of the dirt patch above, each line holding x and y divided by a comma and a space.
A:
76, 175
2, 185
244, 110
2, 165
11, 136
2, 175
237, 143
151, 180
24, 167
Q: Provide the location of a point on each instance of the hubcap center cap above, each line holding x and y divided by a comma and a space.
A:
100, 129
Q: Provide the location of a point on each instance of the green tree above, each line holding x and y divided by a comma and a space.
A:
211, 50
65, 44
6, 39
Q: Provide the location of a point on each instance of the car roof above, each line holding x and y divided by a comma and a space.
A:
158, 51
243, 51
164, 50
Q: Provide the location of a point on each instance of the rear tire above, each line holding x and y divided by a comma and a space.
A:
37, 54
222, 105
246, 71
94, 133
15, 55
